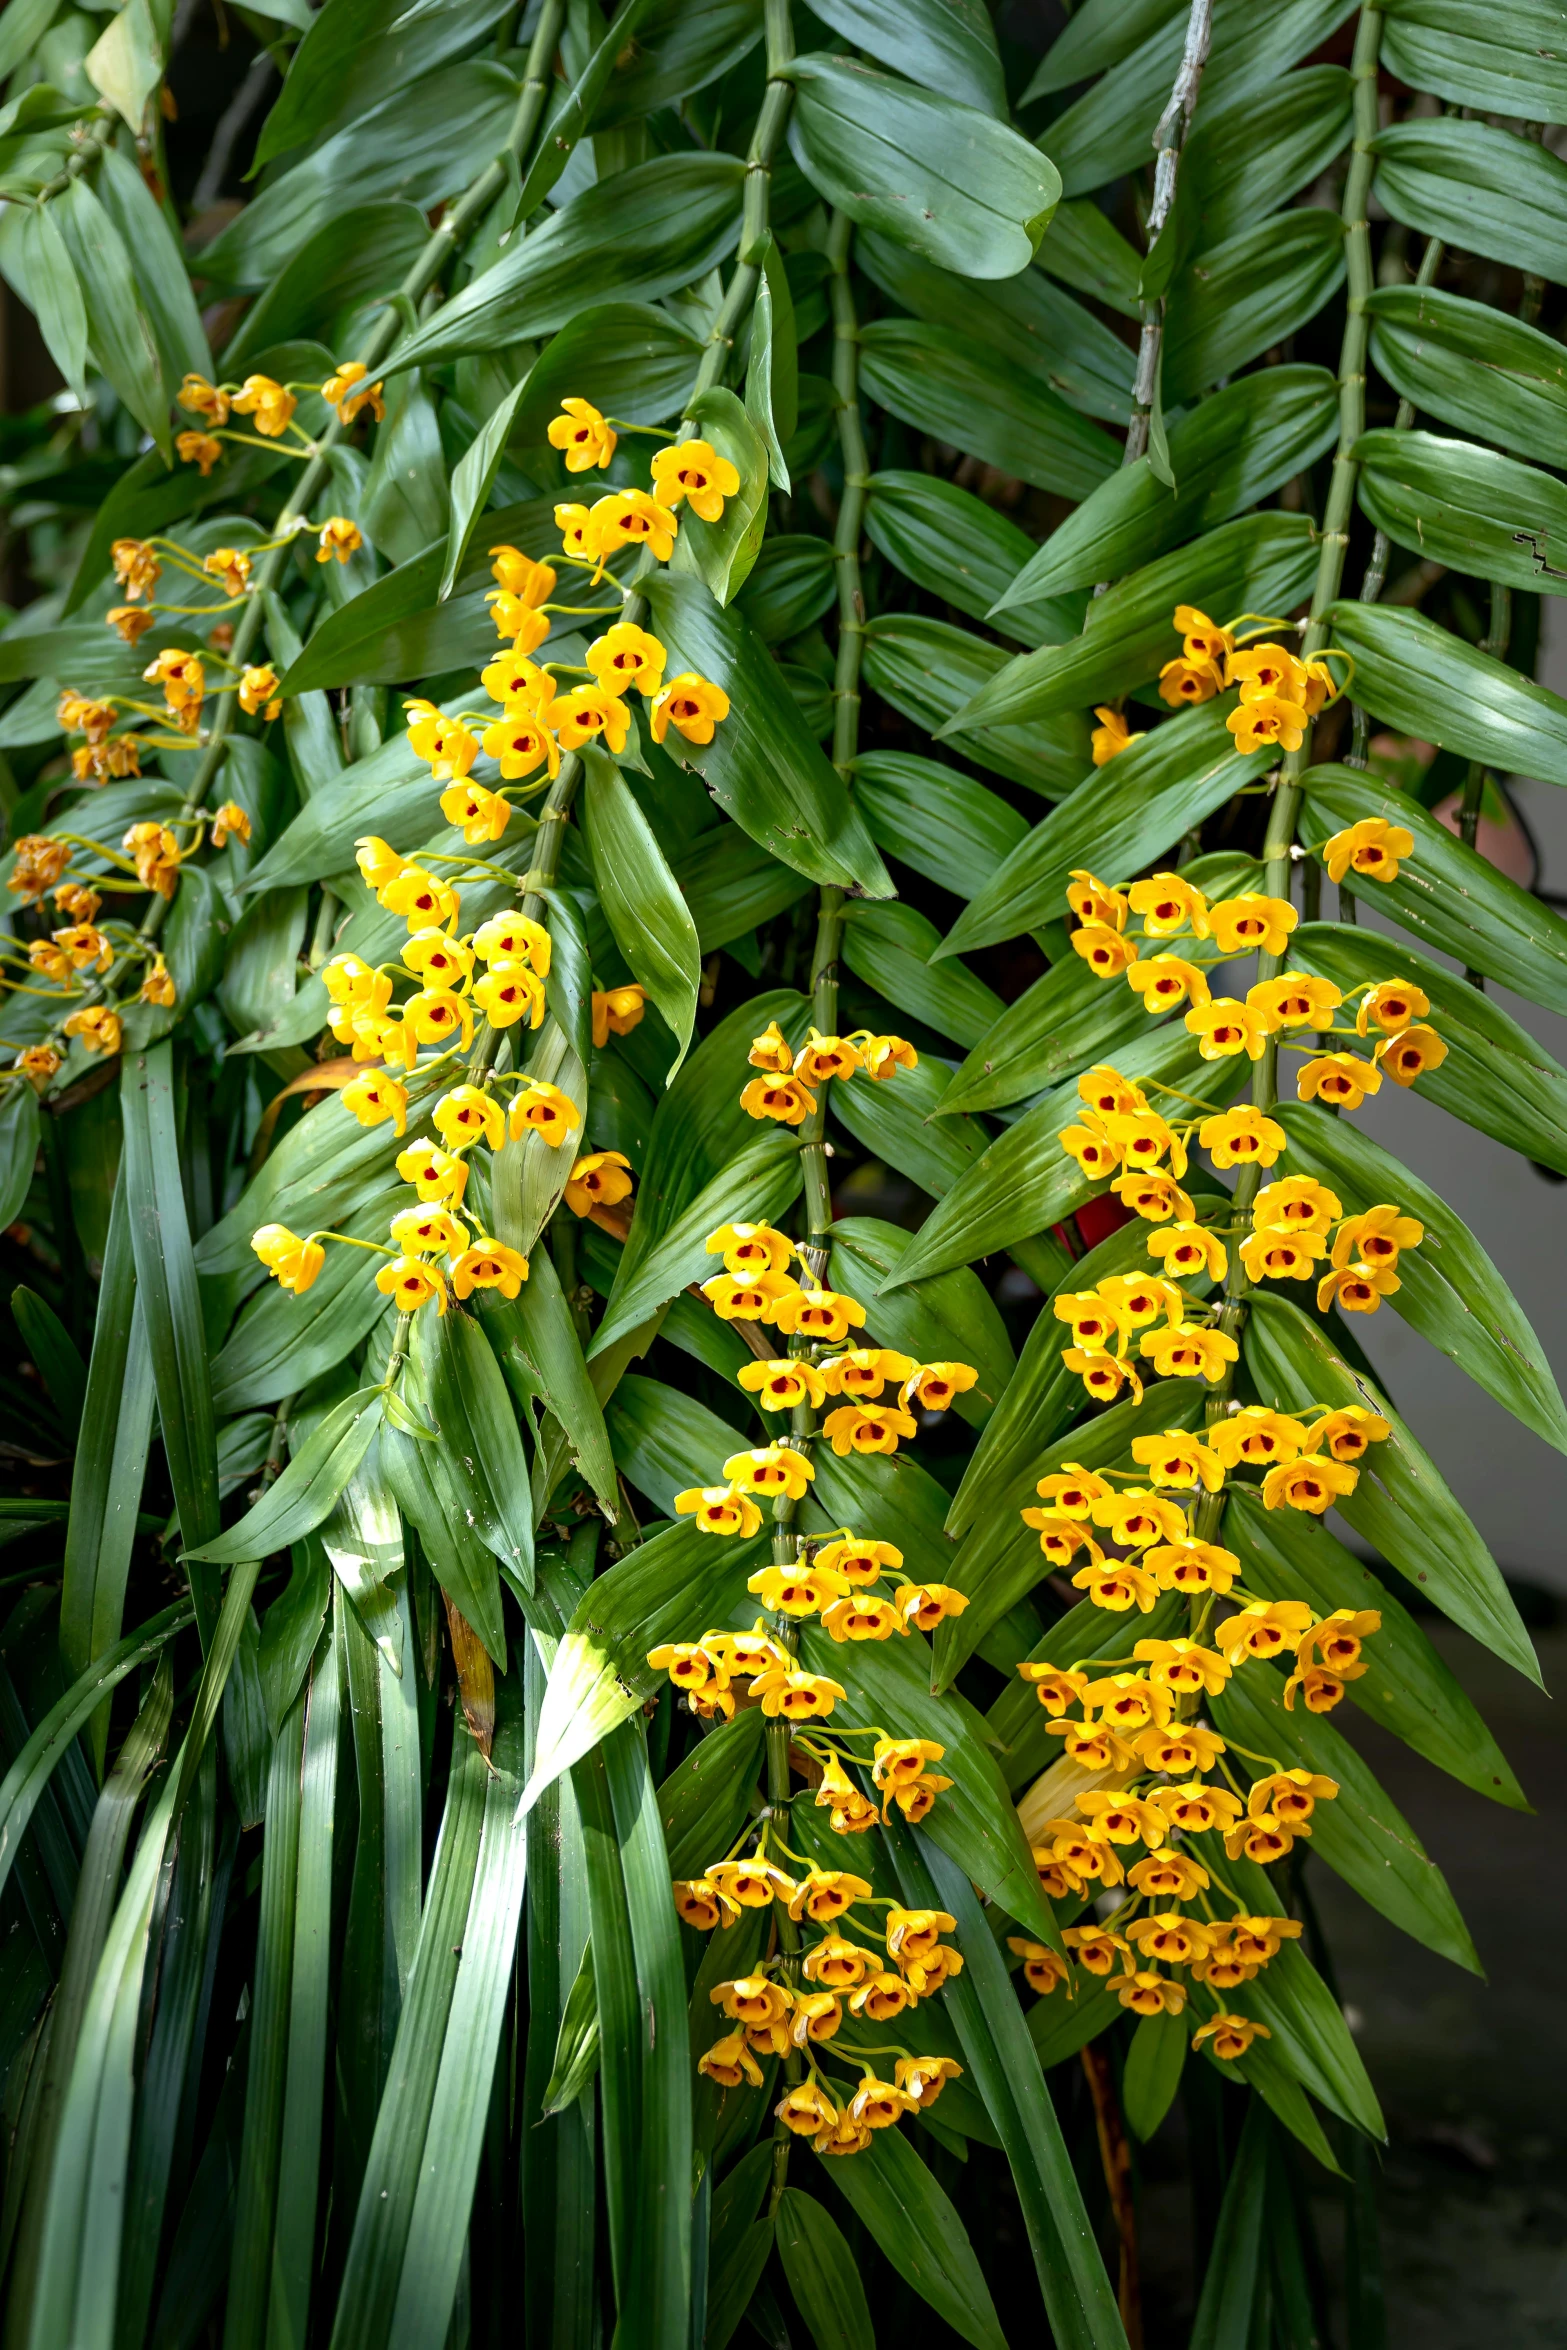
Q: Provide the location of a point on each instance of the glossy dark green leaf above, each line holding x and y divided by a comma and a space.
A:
1087, 251
1466, 508
1064, 1023
19, 1137
111, 1458
657, 226
731, 885
1488, 190
54, 1355
1098, 34
762, 766
54, 294
934, 378
1079, 2301
1516, 65
891, 947
1109, 130
1451, 1291
1361, 1833
641, 899
1261, 562
772, 374
954, 185
600, 1674
350, 261
949, 1318
356, 53
758, 1185
956, 547
681, 46
1452, 899
534, 1332
576, 2044
1230, 178
418, 143
481, 1447
118, 335
571, 115
703, 1804
1425, 681
937, 820
404, 502
1402, 1506
1495, 1075
822, 2274
1027, 318
1235, 2285
933, 673
1472, 366
282, 1342
791, 584
307, 1489
664, 1439
1408, 1687
908, 2216
721, 553
1231, 451
158, 267
944, 45
1256, 289
1154, 2064
896, 1122
169, 1300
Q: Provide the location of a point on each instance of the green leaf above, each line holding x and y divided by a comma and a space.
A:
721, 553
601, 1674
822, 2275
703, 1804
1423, 680
282, 1342
762, 766
54, 294
659, 225
1240, 298
772, 374
731, 885
682, 46
891, 947
1453, 900
118, 335
1361, 1833
404, 500
454, 2137
1515, 67
1495, 1076
28, 1776
896, 1122
1109, 130
624, 356
480, 1446
1231, 451
757, 1186
111, 1458
20, 1132
533, 1334
949, 828
1262, 562
935, 379
355, 54
1401, 1506
791, 584
418, 143
170, 1303
1084, 249
570, 119
907, 2215
933, 673
1078, 2299
351, 261
471, 484
954, 185
158, 265
1229, 179
1099, 34
290, 1630
1235, 2285
1488, 190
54, 1356
1409, 1689
1064, 1023
948, 1318
1452, 1293
664, 1439
1154, 2064
1130, 811
944, 45
1472, 366
394, 2172
955, 546
125, 63
1465, 507
576, 2044
307, 1489
641, 899
1060, 2027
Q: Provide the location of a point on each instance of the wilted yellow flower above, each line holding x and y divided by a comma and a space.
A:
337, 537
347, 391
615, 1011
198, 448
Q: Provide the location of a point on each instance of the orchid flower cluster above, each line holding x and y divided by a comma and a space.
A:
783, 1091
875, 1974
511, 955
1279, 693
